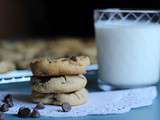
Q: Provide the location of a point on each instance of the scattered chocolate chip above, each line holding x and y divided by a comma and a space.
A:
35, 113
40, 105
73, 58
24, 112
4, 107
10, 103
66, 107
2, 116
8, 100
8, 97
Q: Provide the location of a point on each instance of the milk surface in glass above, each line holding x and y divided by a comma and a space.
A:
128, 53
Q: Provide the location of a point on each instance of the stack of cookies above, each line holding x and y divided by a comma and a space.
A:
58, 81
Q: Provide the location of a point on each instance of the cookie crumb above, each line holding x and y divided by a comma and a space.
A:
8, 100
8, 96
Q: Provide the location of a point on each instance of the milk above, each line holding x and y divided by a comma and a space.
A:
128, 53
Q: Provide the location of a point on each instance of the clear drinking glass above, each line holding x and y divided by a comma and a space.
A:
128, 45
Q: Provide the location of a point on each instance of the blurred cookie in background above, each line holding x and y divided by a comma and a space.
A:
90, 50
10, 55
6, 66
74, 47
65, 46
22, 52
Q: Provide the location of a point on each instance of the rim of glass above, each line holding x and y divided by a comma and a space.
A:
116, 10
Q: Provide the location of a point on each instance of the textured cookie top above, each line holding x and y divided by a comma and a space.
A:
76, 60
59, 66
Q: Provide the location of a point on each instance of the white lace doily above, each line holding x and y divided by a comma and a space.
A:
99, 102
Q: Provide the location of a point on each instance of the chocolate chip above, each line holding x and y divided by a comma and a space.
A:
66, 107
8, 97
40, 105
35, 113
40, 79
44, 79
8, 100
24, 112
73, 58
2, 116
4, 107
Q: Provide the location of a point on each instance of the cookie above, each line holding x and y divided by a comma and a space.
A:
22, 64
66, 44
59, 66
75, 98
12, 56
90, 50
6, 66
61, 84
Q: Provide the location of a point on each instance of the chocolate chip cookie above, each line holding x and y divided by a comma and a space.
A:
59, 66
61, 84
74, 98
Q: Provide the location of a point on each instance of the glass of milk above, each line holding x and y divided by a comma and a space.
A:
128, 44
